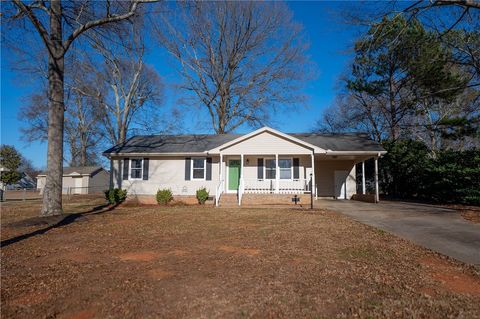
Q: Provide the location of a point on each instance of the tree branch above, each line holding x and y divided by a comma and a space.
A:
108, 19
36, 23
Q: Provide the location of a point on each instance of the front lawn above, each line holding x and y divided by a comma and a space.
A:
141, 262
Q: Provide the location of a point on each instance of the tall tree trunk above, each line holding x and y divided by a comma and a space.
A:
52, 195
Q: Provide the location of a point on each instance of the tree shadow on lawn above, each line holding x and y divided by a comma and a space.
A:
52, 222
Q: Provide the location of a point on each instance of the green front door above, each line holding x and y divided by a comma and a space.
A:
233, 174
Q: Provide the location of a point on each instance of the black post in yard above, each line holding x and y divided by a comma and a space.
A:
311, 191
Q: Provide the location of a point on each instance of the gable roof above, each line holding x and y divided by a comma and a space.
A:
264, 129
79, 170
204, 143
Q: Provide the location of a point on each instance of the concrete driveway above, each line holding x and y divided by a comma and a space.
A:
439, 229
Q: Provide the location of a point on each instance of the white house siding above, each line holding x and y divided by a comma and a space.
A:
266, 143
41, 180
165, 172
325, 176
250, 164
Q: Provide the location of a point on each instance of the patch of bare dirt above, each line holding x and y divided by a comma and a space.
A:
140, 256
30, 298
179, 252
243, 251
159, 273
451, 278
82, 314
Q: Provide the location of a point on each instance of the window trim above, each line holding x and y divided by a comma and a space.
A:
276, 164
265, 169
291, 169
130, 169
192, 177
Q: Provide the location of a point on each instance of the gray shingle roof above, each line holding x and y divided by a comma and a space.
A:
80, 170
341, 142
205, 142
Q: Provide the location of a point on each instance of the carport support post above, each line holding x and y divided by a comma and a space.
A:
377, 197
363, 178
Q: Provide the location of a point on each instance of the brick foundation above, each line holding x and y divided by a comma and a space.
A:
274, 199
369, 198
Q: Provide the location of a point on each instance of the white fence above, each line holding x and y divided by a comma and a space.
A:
37, 194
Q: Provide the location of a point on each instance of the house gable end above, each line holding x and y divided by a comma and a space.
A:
266, 142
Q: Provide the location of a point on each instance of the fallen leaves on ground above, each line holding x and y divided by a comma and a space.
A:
151, 262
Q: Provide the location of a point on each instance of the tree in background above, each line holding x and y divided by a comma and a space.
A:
59, 24
239, 60
82, 124
128, 91
10, 160
404, 82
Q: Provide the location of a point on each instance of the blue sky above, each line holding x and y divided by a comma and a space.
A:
330, 43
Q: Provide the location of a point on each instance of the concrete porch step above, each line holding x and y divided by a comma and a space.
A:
229, 200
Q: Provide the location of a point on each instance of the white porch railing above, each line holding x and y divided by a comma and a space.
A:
219, 191
268, 186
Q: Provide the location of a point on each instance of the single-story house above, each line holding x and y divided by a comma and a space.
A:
80, 180
265, 161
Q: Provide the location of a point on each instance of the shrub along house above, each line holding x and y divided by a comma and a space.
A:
265, 165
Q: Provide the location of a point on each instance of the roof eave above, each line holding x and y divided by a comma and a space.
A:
109, 155
374, 153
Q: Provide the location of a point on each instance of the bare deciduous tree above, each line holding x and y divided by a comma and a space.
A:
127, 87
239, 60
59, 24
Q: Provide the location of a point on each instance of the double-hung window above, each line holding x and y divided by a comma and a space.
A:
285, 166
198, 168
270, 168
136, 168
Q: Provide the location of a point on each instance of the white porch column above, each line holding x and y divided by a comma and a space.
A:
363, 178
377, 197
277, 175
221, 166
313, 190
241, 166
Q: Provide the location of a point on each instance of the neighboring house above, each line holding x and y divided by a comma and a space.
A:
26, 182
265, 161
80, 180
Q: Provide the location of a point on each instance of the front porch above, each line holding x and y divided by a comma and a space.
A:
265, 174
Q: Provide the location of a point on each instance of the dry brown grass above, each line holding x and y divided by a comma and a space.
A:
203, 262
